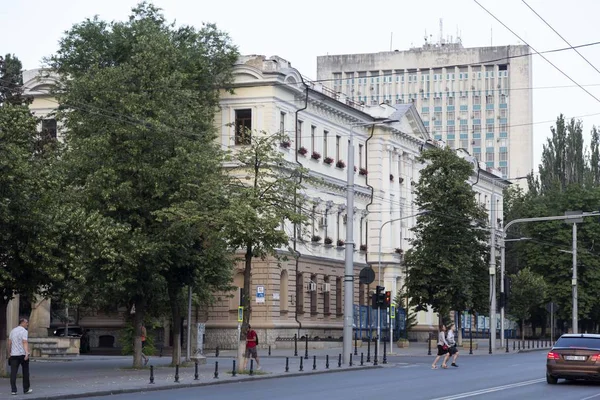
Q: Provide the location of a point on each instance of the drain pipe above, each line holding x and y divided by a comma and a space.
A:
297, 254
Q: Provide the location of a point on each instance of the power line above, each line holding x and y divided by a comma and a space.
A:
559, 35
548, 61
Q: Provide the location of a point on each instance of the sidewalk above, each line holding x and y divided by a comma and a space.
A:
87, 376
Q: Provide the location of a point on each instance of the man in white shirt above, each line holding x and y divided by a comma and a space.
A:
18, 349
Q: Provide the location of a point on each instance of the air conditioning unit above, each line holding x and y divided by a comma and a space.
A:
326, 287
311, 287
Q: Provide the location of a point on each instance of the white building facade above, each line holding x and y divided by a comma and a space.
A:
478, 99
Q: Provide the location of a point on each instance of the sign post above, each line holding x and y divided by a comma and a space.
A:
240, 319
392, 312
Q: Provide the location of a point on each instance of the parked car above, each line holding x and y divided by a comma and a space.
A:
74, 331
574, 356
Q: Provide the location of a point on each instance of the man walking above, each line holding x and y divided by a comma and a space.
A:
19, 355
251, 342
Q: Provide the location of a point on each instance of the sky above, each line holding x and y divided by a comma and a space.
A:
301, 31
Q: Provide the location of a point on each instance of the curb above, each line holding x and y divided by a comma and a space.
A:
200, 384
531, 350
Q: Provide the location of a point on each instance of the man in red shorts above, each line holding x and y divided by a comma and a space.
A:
251, 342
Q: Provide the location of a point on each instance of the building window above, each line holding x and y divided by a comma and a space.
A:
337, 147
326, 298
299, 293
283, 292
489, 157
437, 101
451, 116
313, 296
489, 99
476, 99
503, 156
49, 128
325, 135
338, 296
282, 123
503, 113
299, 128
243, 126
360, 156
477, 128
313, 130
450, 101
502, 99
477, 114
490, 128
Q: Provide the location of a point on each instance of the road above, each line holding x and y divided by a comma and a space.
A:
517, 376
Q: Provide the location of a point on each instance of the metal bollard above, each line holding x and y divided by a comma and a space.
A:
152, 374
217, 352
529, 344
507, 346
340, 361
350, 364
233, 371
327, 361
385, 351
538, 344
375, 355
490, 350
216, 370
470, 341
362, 359
519, 347
314, 363
251, 367
301, 366
306, 349
428, 344
287, 364
196, 371
369, 350
514, 346
355, 344
177, 373
295, 345
269, 349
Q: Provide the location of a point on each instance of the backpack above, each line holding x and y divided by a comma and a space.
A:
256, 337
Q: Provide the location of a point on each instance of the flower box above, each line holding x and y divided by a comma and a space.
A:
340, 164
328, 160
391, 178
399, 251
363, 172
363, 247
328, 240
340, 243
285, 144
302, 151
315, 239
315, 156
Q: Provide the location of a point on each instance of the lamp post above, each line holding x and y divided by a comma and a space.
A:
349, 255
379, 274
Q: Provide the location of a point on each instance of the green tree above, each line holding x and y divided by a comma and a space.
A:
262, 200
401, 300
447, 261
528, 293
138, 99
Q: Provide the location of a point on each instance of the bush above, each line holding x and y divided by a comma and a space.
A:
126, 341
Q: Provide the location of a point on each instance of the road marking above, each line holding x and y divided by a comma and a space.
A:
591, 397
490, 390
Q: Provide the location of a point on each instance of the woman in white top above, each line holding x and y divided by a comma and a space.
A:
443, 347
452, 350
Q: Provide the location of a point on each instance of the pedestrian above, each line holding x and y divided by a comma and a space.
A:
442, 346
251, 342
144, 357
452, 350
18, 349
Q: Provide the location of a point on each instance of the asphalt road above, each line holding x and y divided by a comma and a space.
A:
517, 376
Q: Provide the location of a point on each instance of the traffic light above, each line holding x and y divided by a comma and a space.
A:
379, 297
388, 298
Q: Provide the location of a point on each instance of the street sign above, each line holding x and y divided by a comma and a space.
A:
260, 294
366, 276
240, 313
393, 314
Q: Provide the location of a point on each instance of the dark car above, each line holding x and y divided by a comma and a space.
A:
74, 331
574, 356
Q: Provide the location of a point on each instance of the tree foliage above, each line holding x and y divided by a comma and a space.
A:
447, 261
528, 292
138, 100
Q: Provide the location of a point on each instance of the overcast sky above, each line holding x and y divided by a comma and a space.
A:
300, 31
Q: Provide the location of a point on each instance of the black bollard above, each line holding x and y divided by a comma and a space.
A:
301, 366
287, 364
177, 373
362, 359
152, 374
306, 349
428, 344
327, 361
528, 344
375, 355
519, 347
538, 343
340, 361
196, 371
490, 352
385, 351
233, 371
470, 341
514, 346
216, 370
369, 350
350, 364
314, 363
251, 367
295, 345
507, 345
217, 352
269, 349
355, 344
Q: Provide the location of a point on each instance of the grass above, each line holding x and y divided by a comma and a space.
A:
147, 367
247, 372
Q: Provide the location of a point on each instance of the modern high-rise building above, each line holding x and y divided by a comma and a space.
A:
478, 99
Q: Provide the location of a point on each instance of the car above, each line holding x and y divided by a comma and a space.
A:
574, 356
74, 331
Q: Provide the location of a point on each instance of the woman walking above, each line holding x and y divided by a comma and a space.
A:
442, 346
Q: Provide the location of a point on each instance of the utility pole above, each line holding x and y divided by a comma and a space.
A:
574, 221
492, 269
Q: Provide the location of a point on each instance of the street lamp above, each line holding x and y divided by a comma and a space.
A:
379, 273
349, 255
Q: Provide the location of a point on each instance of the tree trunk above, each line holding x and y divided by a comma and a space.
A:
523, 329
138, 321
246, 305
3, 329
176, 324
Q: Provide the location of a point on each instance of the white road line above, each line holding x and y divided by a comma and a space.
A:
490, 390
591, 397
